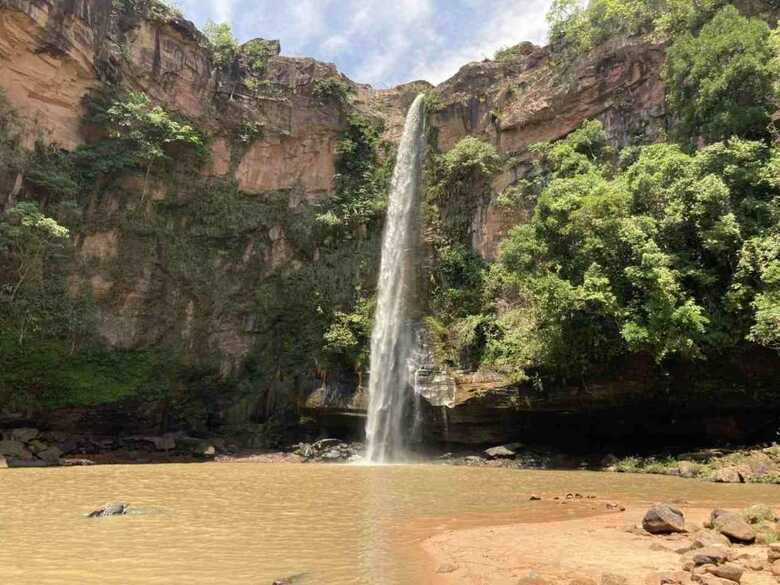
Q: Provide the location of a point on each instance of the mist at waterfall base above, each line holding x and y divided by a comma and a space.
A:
393, 339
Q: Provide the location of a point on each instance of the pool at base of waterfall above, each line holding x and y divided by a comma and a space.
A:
242, 523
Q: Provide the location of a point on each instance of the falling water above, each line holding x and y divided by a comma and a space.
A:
393, 338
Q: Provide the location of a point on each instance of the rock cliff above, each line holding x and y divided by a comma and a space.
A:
233, 303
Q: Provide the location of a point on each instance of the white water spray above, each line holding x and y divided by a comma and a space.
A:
393, 337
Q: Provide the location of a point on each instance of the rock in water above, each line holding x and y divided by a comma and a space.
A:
664, 519
118, 509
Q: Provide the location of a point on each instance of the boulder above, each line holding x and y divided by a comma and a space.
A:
508, 451
733, 526
775, 568
51, 455
116, 509
728, 571
15, 449
758, 513
326, 444
773, 552
24, 435
688, 469
710, 555
726, 475
709, 538
663, 519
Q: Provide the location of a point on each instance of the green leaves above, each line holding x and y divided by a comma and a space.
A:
658, 255
720, 82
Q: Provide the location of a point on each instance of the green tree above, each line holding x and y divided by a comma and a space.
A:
28, 239
720, 82
224, 46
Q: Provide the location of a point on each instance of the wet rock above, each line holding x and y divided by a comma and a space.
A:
663, 519
728, 571
508, 451
14, 449
116, 509
709, 538
710, 555
758, 513
24, 435
733, 526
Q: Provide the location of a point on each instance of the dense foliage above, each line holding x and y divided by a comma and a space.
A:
720, 82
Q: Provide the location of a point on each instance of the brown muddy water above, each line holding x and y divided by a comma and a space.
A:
249, 524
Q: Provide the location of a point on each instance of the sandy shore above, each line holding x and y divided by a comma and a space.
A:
555, 552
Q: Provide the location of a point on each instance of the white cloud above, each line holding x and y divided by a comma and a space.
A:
384, 42
511, 23
223, 10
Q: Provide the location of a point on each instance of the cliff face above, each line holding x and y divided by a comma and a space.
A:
151, 253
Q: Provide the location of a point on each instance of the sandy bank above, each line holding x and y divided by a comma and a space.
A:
560, 551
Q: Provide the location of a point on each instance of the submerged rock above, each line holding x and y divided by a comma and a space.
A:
663, 519
117, 509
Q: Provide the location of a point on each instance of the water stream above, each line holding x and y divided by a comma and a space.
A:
393, 337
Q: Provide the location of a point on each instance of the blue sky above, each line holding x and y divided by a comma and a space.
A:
382, 42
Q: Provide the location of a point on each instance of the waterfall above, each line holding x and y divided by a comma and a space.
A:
393, 336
